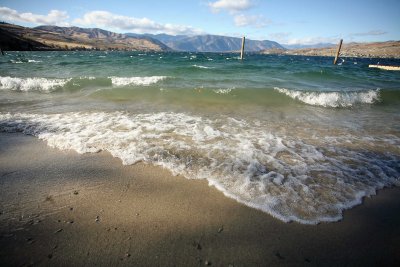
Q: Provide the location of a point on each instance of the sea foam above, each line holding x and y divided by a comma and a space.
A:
202, 67
223, 91
31, 84
289, 178
124, 81
332, 99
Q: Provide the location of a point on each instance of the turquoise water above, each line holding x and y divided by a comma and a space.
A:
293, 136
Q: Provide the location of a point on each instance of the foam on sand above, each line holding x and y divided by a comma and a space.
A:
291, 179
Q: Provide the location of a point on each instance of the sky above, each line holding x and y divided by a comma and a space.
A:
284, 21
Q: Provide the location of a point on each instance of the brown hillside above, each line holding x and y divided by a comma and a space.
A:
389, 49
14, 37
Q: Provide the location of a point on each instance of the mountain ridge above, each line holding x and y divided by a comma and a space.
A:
48, 37
210, 43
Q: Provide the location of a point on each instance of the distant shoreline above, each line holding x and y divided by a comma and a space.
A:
390, 49
286, 53
52, 38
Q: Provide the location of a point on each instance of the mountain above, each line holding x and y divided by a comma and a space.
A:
162, 37
390, 49
14, 37
209, 43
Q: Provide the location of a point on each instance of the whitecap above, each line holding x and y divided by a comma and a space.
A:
333, 99
202, 67
31, 84
147, 80
16, 61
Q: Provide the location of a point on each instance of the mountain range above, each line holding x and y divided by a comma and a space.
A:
14, 37
209, 43
18, 38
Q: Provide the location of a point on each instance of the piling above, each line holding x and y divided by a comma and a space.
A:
242, 49
338, 51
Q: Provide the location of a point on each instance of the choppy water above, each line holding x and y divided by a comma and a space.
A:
293, 136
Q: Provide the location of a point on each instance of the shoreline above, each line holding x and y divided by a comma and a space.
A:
63, 208
288, 52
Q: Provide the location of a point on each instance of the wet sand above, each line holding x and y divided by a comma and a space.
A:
60, 208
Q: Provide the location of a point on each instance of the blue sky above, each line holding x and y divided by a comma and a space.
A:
288, 22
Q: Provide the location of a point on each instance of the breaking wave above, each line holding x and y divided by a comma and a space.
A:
124, 81
31, 84
53, 84
333, 99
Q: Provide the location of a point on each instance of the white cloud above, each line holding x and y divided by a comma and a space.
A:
235, 8
138, 25
280, 37
230, 5
55, 17
285, 38
369, 33
312, 40
251, 20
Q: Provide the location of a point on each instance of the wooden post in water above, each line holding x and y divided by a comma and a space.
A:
242, 49
338, 51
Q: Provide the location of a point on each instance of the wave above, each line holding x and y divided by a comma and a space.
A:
21, 61
202, 67
31, 84
287, 177
124, 81
48, 85
333, 99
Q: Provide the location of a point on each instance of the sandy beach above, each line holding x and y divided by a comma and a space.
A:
60, 208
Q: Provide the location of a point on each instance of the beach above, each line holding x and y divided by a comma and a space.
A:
197, 159
61, 208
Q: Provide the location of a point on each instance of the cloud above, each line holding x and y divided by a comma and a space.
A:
235, 8
285, 38
55, 17
311, 40
98, 19
138, 25
251, 20
370, 33
280, 37
230, 5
